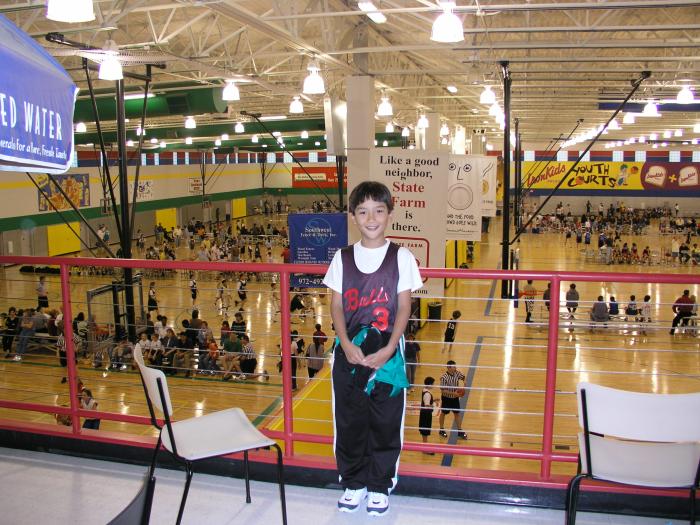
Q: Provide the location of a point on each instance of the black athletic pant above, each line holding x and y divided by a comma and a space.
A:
368, 430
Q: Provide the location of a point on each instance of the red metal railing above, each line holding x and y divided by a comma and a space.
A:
545, 456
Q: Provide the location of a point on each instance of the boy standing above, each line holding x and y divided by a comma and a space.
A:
371, 283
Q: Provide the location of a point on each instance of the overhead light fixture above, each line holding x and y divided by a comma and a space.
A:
452, 89
217, 142
385, 143
385, 109
655, 146
495, 110
140, 131
376, 142
651, 110
274, 117
694, 142
130, 143
685, 96
678, 133
632, 140
642, 139
371, 11
110, 67
264, 145
239, 127
296, 106
313, 83
70, 11
444, 130
231, 92
190, 122
137, 96
488, 97
80, 127
405, 132
447, 27
254, 139
304, 134
489, 147
300, 143
443, 140
188, 140
614, 125
422, 122
154, 140
389, 128
276, 133
628, 118
664, 144
317, 143
224, 136
163, 144
696, 128
667, 134
653, 136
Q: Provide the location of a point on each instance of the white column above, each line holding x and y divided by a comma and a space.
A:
432, 133
459, 140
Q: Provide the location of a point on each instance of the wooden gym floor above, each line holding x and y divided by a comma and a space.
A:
503, 358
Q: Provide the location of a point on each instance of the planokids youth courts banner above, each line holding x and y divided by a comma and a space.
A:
464, 198
37, 98
418, 182
313, 239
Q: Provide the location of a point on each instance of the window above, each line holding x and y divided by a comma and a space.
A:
174, 158
187, 157
271, 157
313, 156
562, 156
156, 159
696, 156
288, 158
618, 156
640, 156
529, 156
143, 159
586, 157
330, 158
674, 156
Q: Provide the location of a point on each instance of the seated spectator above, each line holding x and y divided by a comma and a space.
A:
123, 351
87, 402
599, 311
632, 310
232, 357
155, 351
10, 330
613, 306
208, 360
249, 362
169, 345
182, 360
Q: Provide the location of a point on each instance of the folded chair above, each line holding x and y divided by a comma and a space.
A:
632, 438
211, 435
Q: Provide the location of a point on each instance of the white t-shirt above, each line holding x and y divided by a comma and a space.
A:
368, 260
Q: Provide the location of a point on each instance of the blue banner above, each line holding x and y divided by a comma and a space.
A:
313, 239
37, 98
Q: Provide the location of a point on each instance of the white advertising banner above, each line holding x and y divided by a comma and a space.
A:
416, 180
464, 197
195, 185
489, 181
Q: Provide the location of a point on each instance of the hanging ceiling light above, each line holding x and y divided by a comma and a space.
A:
678, 133
163, 144
488, 97
313, 83
696, 128
447, 27
296, 106
685, 96
188, 140
614, 125
140, 131
628, 118
422, 122
70, 11
190, 122
231, 92
667, 134
217, 142
130, 143
224, 136
444, 130
110, 67
385, 143
405, 132
154, 140
304, 134
254, 139
385, 109
495, 109
651, 110
653, 136
371, 11
452, 89
80, 127
239, 127
389, 128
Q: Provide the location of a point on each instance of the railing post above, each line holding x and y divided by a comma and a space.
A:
286, 328
70, 348
550, 379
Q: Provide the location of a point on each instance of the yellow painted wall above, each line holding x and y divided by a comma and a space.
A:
167, 217
61, 239
238, 208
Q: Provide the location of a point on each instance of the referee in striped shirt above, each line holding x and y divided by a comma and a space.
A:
451, 391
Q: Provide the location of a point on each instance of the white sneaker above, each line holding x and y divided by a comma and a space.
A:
351, 499
377, 504
18, 357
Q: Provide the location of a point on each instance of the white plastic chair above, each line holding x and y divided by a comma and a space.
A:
648, 440
211, 435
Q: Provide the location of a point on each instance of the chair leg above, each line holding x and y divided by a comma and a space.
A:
246, 473
154, 458
188, 469
692, 506
280, 480
572, 498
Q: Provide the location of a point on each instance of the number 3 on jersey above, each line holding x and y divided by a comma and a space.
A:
381, 318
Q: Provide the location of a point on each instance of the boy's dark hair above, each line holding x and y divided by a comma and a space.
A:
429, 381
367, 190
451, 362
456, 314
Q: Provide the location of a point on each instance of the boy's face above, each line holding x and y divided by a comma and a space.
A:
371, 218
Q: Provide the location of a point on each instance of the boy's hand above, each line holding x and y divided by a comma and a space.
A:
353, 353
377, 359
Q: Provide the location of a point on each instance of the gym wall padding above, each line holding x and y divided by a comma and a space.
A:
167, 217
61, 239
238, 208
